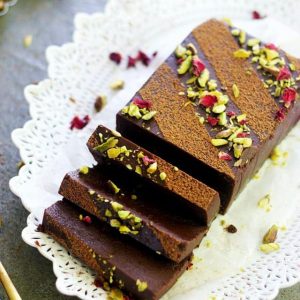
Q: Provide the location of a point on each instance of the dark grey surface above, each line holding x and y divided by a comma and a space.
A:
50, 22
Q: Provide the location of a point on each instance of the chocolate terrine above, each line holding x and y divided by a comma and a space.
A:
118, 260
164, 180
216, 107
128, 210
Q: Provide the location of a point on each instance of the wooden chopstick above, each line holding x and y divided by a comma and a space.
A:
8, 285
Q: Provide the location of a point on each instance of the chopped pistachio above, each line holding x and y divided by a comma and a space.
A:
236, 91
84, 170
115, 223
123, 214
113, 152
237, 150
228, 21
264, 203
92, 192
234, 135
134, 111
218, 108
246, 142
113, 186
201, 120
138, 170
192, 48
185, 65
117, 85
176, 169
270, 54
270, 247
124, 229
115, 294
116, 206
241, 53
212, 85
238, 163
133, 197
141, 285
242, 37
152, 168
253, 42
149, 115
271, 235
109, 143
222, 119
241, 117
204, 77
292, 67
129, 167
180, 51
108, 213
224, 133
27, 41
125, 109
163, 176
115, 133
181, 93
235, 32
219, 142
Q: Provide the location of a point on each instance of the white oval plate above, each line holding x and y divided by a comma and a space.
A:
225, 266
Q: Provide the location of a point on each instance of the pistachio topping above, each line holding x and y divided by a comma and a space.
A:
236, 91
113, 187
149, 115
84, 170
109, 143
117, 85
163, 176
270, 247
241, 53
141, 285
264, 203
152, 168
219, 142
185, 65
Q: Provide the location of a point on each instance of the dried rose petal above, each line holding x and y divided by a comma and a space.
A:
280, 115
271, 46
79, 123
224, 156
179, 61
147, 160
87, 219
243, 134
141, 103
154, 54
230, 114
212, 121
131, 62
198, 66
143, 57
284, 73
115, 57
243, 122
256, 15
208, 100
289, 95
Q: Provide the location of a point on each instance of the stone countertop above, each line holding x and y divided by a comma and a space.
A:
49, 22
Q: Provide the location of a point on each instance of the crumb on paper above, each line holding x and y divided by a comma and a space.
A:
278, 157
271, 235
242, 269
256, 175
117, 85
100, 102
72, 100
264, 203
207, 244
268, 248
27, 41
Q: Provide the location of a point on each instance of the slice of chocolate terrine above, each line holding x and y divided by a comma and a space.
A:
216, 107
127, 209
119, 262
169, 183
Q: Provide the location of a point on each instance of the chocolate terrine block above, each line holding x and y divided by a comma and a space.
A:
119, 262
130, 212
216, 107
163, 179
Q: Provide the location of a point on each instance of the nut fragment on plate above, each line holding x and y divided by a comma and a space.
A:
271, 235
117, 85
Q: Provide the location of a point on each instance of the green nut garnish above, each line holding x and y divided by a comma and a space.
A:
204, 77
242, 38
152, 168
123, 214
185, 65
124, 229
108, 213
138, 170
149, 115
241, 53
116, 206
115, 223
235, 32
246, 142
162, 176
110, 143
253, 42
113, 152
113, 187
270, 247
134, 111
218, 108
84, 170
237, 150
141, 285
180, 51
219, 142
236, 91
222, 119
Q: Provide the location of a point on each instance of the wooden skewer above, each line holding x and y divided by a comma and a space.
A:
8, 285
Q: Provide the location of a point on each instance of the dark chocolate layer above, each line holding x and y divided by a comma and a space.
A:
120, 261
129, 212
161, 176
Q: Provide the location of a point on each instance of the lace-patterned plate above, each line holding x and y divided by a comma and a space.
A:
81, 71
